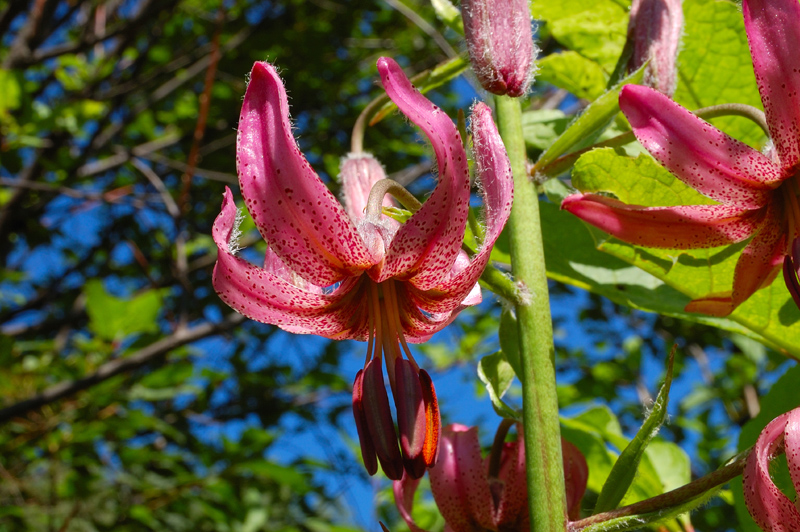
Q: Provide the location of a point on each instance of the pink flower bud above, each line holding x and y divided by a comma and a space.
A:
655, 28
471, 498
770, 508
500, 43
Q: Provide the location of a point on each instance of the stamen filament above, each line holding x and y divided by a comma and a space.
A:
393, 304
376, 305
371, 327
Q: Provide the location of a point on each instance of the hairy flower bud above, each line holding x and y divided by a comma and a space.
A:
500, 43
655, 30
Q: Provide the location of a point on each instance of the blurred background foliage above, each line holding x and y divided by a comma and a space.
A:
131, 398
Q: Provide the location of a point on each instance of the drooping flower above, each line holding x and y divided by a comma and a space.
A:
770, 508
500, 43
655, 30
354, 273
471, 498
758, 195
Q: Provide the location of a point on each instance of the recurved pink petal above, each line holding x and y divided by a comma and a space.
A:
419, 326
791, 440
404, 490
494, 172
264, 296
576, 476
770, 508
294, 211
699, 154
773, 31
756, 268
425, 247
681, 227
459, 482
513, 508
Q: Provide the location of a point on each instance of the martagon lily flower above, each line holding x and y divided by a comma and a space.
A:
757, 193
770, 508
355, 273
472, 497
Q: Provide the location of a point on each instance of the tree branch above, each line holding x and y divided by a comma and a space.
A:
115, 367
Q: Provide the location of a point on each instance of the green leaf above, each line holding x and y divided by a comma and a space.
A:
497, 374
590, 123
112, 318
639, 181
542, 127
715, 65
449, 14
278, 473
592, 432
509, 340
572, 72
626, 467
10, 89
769, 316
401, 215
596, 30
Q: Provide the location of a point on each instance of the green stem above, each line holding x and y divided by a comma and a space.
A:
547, 500
671, 499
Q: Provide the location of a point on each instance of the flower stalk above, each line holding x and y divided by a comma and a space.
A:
544, 464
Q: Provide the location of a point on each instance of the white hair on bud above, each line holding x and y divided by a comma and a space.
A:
236, 233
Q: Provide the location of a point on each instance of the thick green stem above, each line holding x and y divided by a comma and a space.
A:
547, 500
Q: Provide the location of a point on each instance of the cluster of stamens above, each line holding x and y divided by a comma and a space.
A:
418, 420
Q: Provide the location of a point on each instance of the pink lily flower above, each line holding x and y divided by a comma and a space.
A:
771, 509
351, 274
757, 194
473, 499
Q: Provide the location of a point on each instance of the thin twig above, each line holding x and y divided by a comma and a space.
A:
672, 498
115, 367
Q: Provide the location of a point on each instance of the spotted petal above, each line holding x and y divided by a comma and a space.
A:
770, 508
681, 227
424, 248
459, 483
494, 172
268, 297
756, 268
294, 211
699, 154
791, 440
404, 490
773, 31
